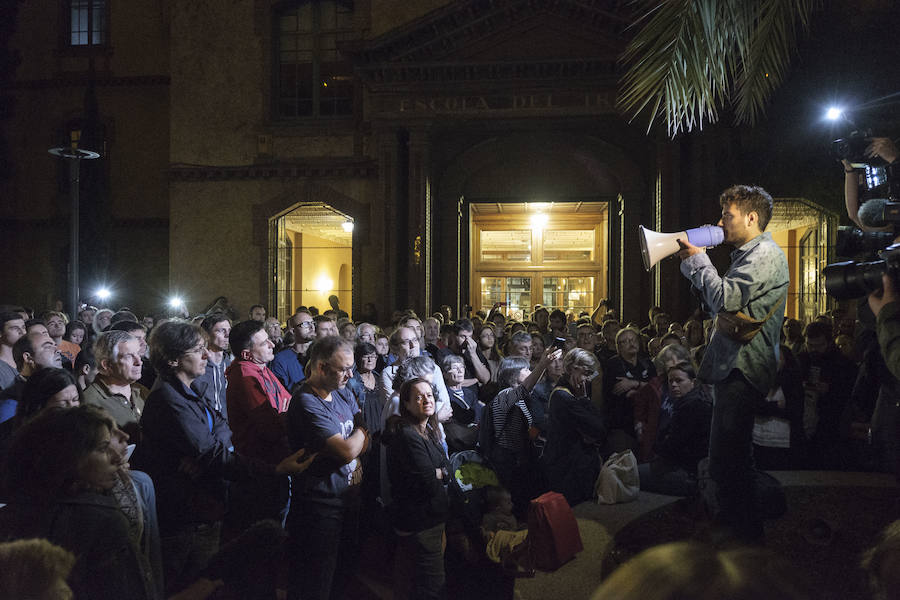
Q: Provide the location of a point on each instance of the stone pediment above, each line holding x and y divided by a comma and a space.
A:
504, 31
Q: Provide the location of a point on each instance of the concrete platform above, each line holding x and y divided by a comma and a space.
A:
599, 525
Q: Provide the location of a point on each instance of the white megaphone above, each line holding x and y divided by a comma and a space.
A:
656, 246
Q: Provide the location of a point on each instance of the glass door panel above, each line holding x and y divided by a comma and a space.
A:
513, 292
573, 294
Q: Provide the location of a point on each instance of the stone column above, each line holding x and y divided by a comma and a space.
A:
420, 221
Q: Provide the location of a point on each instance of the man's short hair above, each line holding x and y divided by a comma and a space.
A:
106, 346
32, 322
300, 311
22, 345
463, 325
558, 314
520, 337
212, 320
394, 341
818, 329
240, 337
747, 199
169, 341
255, 306
7, 316
324, 348
122, 315
54, 313
322, 318
128, 326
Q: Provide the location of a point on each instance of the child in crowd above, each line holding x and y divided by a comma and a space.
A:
504, 537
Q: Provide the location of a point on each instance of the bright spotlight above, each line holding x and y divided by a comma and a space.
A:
103, 293
347, 226
176, 302
324, 284
539, 220
834, 113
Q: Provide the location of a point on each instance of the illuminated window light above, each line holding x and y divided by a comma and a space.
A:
347, 226
539, 220
324, 284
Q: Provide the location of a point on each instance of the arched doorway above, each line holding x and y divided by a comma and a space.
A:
487, 191
313, 258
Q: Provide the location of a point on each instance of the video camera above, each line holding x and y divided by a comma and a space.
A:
848, 280
851, 279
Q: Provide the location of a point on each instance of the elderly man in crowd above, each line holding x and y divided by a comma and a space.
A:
115, 389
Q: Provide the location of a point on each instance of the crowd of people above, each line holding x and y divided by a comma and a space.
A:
172, 437
173, 457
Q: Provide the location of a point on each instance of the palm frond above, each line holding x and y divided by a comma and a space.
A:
690, 56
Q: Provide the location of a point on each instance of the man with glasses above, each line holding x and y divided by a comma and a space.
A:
288, 364
325, 418
404, 345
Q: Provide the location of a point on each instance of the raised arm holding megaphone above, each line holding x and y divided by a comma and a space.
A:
656, 246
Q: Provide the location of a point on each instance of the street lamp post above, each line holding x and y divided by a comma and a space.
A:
73, 156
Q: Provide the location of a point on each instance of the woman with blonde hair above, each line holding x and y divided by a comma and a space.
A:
693, 570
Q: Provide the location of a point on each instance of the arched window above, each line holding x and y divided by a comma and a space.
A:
311, 79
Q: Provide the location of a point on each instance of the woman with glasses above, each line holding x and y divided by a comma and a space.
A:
187, 451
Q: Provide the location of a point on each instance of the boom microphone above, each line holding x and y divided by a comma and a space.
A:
879, 212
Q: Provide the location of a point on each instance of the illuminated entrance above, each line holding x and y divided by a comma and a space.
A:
549, 253
312, 258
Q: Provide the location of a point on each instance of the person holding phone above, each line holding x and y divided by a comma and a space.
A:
571, 457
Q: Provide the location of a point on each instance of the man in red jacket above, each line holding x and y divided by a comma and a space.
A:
256, 401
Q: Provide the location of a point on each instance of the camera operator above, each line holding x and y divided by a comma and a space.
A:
878, 373
885, 305
879, 147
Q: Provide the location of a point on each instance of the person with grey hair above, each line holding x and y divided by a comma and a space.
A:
102, 319
571, 458
504, 433
519, 345
117, 355
405, 345
461, 429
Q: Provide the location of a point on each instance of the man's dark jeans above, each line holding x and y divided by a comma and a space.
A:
323, 548
731, 456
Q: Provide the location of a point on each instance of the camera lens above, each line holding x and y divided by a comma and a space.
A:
849, 280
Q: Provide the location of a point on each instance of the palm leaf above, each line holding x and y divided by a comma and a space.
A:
689, 56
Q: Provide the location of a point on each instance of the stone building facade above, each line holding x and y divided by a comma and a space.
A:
410, 120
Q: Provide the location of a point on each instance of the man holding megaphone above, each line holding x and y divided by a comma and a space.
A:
741, 358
